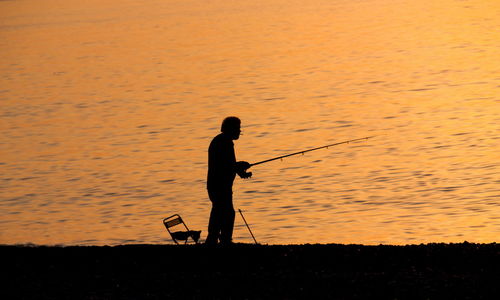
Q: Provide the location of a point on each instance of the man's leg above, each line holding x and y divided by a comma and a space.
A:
227, 223
214, 224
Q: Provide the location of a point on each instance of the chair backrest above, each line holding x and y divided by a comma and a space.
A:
172, 221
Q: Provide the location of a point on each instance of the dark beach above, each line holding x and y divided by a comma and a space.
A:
243, 271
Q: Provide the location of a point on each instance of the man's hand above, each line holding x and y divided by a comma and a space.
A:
241, 168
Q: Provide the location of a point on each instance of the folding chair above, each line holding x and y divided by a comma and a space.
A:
175, 220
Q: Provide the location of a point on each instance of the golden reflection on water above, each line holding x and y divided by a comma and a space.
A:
107, 109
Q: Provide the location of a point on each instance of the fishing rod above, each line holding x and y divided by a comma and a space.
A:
309, 150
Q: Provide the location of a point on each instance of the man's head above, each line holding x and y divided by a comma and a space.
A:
231, 126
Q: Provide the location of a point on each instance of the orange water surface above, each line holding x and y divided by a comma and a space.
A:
107, 108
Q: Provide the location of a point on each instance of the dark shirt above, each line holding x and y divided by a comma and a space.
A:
221, 163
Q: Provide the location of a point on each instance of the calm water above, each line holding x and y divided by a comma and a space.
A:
108, 107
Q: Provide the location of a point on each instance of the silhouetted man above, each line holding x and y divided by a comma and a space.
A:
222, 169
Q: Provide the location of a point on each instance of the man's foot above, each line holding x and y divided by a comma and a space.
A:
226, 243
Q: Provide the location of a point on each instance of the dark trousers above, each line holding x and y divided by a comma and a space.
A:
220, 226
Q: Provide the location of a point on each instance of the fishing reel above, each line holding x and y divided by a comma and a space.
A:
245, 175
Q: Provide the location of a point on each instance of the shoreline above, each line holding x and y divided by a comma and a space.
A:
247, 271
